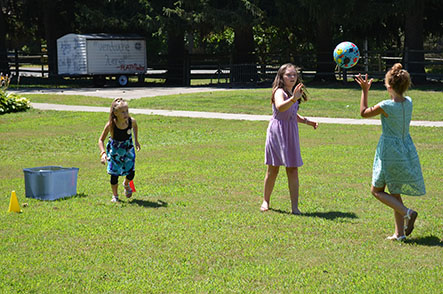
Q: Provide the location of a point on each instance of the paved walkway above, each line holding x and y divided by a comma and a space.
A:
139, 92
126, 92
218, 115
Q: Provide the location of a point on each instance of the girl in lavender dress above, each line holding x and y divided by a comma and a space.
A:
396, 163
282, 142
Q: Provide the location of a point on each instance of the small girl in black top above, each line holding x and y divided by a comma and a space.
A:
119, 153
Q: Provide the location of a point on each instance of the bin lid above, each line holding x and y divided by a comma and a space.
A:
50, 168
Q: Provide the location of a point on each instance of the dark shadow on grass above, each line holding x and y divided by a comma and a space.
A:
425, 241
279, 211
330, 215
151, 204
78, 195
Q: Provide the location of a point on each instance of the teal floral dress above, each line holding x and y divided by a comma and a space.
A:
121, 154
396, 162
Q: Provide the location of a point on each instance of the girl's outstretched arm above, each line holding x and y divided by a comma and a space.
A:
305, 120
365, 85
101, 144
135, 126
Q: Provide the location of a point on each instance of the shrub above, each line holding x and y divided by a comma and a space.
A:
11, 102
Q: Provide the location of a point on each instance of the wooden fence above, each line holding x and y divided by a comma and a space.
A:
33, 64
220, 69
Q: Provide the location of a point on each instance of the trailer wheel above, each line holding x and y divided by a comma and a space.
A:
122, 80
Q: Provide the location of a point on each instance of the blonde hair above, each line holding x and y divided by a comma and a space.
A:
280, 84
116, 104
398, 79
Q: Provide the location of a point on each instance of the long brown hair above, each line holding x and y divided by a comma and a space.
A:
117, 103
398, 78
280, 84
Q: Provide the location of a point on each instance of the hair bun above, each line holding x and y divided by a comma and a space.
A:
396, 68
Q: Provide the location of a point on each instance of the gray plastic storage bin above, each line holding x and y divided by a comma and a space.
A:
50, 182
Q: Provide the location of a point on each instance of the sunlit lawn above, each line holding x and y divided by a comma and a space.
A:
194, 225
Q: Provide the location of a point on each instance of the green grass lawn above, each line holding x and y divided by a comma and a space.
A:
324, 101
194, 225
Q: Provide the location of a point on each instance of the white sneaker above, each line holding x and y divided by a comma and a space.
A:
114, 199
395, 238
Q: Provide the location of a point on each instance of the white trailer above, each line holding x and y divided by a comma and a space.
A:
101, 56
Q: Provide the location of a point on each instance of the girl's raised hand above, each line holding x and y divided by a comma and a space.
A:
364, 83
298, 91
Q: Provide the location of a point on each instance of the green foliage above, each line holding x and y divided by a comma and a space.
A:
218, 42
10, 102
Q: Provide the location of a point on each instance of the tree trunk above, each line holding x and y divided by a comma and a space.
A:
50, 26
4, 65
176, 58
324, 48
243, 45
244, 68
414, 56
57, 17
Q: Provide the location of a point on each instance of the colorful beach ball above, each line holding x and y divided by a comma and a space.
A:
346, 54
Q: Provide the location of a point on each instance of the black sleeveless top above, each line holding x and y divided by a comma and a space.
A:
123, 135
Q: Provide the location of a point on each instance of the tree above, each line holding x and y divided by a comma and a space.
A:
324, 16
55, 18
413, 48
241, 16
175, 18
9, 22
4, 65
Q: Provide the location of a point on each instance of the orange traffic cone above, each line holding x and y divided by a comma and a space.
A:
13, 203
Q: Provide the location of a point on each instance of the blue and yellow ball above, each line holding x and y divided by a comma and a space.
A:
346, 54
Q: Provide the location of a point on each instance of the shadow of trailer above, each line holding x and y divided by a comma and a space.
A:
102, 56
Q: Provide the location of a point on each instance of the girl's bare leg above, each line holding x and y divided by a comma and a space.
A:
389, 200
115, 189
293, 183
399, 219
114, 193
270, 177
395, 202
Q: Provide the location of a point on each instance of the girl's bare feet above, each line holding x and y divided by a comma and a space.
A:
296, 212
264, 206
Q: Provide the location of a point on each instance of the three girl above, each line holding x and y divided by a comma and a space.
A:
396, 164
282, 142
119, 153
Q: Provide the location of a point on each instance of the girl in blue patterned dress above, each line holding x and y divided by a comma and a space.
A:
396, 162
119, 153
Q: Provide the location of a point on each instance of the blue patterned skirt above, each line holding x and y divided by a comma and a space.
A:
121, 157
397, 166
